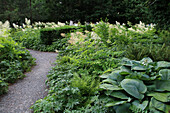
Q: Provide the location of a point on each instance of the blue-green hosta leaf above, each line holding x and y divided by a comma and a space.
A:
114, 103
157, 105
110, 87
139, 105
124, 108
119, 94
104, 76
163, 97
125, 70
146, 60
165, 74
109, 81
153, 110
116, 76
134, 87
162, 85
138, 68
163, 64
127, 62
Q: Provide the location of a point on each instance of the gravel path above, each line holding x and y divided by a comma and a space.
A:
24, 93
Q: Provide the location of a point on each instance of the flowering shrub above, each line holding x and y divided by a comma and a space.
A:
74, 82
14, 59
38, 25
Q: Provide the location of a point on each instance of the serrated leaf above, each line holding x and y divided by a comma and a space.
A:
134, 87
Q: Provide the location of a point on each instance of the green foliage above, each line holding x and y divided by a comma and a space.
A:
44, 39
3, 87
86, 84
76, 10
74, 81
49, 35
14, 59
102, 30
160, 13
31, 40
155, 51
141, 84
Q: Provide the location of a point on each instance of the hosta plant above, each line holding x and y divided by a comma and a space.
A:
139, 86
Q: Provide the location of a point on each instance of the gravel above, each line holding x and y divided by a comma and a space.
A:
25, 92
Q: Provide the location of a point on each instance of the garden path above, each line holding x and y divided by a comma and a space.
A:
25, 92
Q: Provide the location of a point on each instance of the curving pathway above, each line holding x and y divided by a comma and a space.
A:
25, 92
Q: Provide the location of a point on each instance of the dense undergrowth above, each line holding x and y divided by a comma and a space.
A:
14, 59
92, 75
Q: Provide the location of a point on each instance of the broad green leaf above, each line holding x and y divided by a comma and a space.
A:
165, 74
116, 76
162, 64
110, 87
119, 94
1, 46
139, 105
123, 108
127, 62
157, 105
146, 60
104, 76
167, 109
124, 73
163, 97
109, 81
138, 68
114, 103
162, 85
153, 110
125, 69
134, 87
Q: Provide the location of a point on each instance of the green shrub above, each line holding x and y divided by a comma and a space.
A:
49, 35
3, 86
140, 86
74, 81
155, 51
14, 59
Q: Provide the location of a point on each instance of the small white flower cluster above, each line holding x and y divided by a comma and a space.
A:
4, 29
77, 37
38, 25
119, 28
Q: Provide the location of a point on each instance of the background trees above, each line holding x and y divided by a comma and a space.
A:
156, 11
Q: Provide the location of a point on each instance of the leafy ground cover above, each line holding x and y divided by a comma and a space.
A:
92, 76
14, 59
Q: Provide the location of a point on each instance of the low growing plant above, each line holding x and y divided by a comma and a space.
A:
14, 59
138, 86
